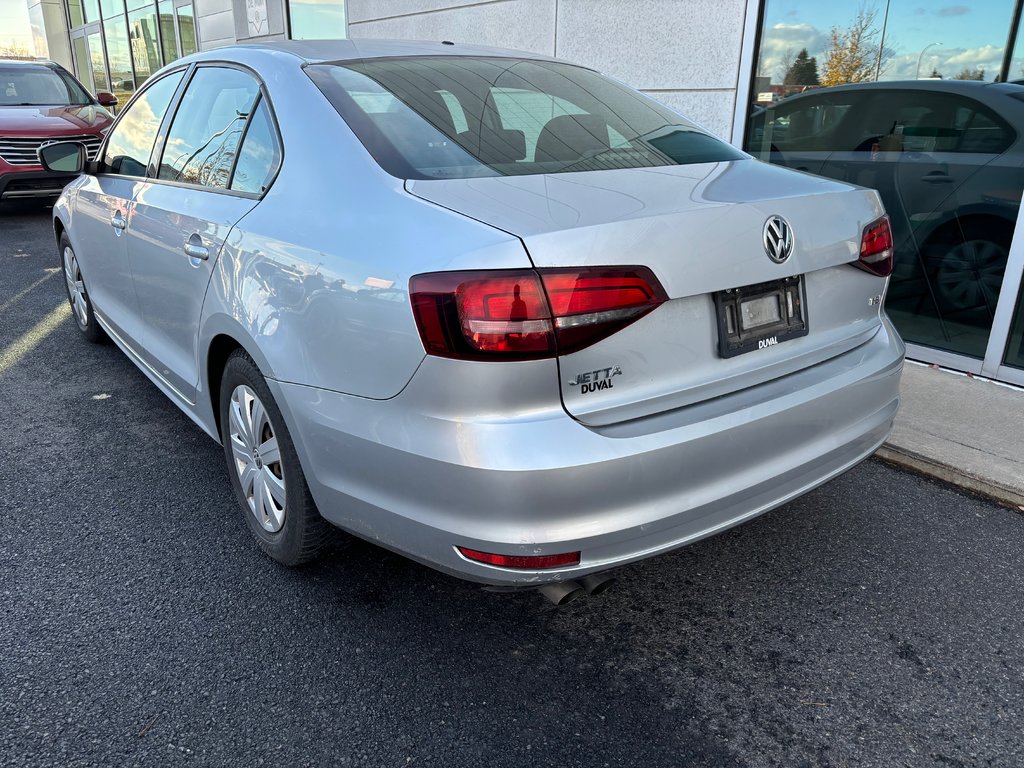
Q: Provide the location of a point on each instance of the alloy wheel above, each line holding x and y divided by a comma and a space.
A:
76, 288
970, 275
257, 458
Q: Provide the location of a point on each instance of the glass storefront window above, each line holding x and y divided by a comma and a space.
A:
111, 8
142, 33
936, 153
81, 55
317, 20
97, 63
1015, 345
168, 44
119, 58
91, 9
187, 30
75, 13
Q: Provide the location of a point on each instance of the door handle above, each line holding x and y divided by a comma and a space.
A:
937, 177
117, 221
196, 251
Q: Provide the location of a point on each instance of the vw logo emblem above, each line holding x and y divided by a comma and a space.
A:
778, 239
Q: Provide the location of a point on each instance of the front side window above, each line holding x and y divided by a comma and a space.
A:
460, 117
207, 128
131, 140
33, 85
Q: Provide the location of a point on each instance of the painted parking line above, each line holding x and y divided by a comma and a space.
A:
23, 293
21, 346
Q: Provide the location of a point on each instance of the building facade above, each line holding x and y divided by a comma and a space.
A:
720, 62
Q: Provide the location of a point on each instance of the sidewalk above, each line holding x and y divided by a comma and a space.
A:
966, 431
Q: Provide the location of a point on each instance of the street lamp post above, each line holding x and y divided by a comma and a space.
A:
881, 43
923, 51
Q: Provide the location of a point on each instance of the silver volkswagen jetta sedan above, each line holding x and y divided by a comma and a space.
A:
487, 309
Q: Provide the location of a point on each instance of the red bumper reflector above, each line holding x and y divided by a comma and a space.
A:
530, 562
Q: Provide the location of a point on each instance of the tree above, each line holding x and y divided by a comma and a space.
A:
935, 75
14, 50
967, 73
853, 51
803, 70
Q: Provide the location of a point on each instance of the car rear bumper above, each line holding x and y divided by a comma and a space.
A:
542, 483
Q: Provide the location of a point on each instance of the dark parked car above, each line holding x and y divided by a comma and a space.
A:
41, 102
946, 157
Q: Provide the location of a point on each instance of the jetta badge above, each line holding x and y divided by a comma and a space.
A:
778, 239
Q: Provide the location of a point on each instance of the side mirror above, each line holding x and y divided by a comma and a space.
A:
106, 99
63, 157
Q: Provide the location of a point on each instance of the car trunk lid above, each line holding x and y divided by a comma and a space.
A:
700, 229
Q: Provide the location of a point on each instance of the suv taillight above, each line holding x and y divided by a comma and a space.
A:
526, 314
876, 251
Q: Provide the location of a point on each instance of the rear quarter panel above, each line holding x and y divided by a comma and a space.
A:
316, 276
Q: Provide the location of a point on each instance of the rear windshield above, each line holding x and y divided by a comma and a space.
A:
36, 85
460, 117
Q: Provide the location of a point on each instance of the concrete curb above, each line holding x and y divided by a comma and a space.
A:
952, 475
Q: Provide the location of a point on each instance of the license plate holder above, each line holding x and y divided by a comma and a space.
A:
760, 316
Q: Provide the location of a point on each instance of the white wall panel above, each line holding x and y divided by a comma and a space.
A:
671, 44
210, 7
363, 10
525, 24
216, 27
712, 109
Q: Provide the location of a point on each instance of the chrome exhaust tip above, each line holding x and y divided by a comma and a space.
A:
596, 583
562, 592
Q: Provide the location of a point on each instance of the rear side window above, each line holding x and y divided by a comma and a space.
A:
207, 127
131, 140
260, 154
870, 120
460, 117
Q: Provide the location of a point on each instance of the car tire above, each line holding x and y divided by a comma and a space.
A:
78, 296
968, 274
264, 467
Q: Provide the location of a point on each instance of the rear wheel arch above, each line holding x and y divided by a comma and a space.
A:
224, 338
970, 223
217, 354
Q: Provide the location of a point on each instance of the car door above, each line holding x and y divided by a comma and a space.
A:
963, 199
103, 206
183, 213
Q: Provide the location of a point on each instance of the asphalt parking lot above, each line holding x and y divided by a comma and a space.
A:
878, 621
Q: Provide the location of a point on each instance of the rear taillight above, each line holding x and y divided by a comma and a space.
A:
525, 314
876, 251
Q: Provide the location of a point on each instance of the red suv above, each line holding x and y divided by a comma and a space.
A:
41, 102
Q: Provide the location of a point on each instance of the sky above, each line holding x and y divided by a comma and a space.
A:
14, 26
971, 34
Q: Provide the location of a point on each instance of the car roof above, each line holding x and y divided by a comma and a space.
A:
317, 51
27, 62
973, 87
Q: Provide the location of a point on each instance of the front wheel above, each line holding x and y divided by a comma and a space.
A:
78, 296
264, 467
